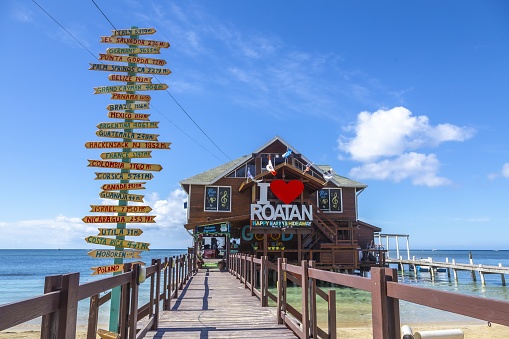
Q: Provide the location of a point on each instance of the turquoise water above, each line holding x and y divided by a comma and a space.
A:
22, 275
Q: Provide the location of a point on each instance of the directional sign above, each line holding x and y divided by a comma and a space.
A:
126, 106
133, 59
122, 232
127, 186
132, 41
129, 78
126, 155
124, 165
118, 219
115, 254
134, 97
133, 31
142, 246
127, 144
133, 69
126, 135
120, 209
138, 50
121, 196
128, 115
130, 88
123, 176
107, 269
127, 125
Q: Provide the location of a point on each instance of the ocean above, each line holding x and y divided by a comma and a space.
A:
22, 274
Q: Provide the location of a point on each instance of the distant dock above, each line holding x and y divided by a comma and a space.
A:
481, 269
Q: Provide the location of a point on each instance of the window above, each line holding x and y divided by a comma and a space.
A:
241, 172
217, 198
330, 200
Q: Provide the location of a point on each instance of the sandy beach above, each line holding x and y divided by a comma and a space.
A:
471, 331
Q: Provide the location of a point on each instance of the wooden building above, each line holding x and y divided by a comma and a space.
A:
278, 203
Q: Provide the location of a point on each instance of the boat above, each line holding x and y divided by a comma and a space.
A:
426, 268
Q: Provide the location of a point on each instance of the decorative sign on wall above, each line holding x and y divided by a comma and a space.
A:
265, 214
135, 75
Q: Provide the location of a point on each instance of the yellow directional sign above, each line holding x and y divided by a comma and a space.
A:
122, 232
126, 155
126, 135
142, 246
118, 219
133, 59
133, 31
126, 106
132, 41
115, 254
123, 186
127, 144
128, 115
130, 88
137, 50
120, 209
121, 196
127, 125
134, 97
107, 269
123, 176
124, 165
132, 69
129, 78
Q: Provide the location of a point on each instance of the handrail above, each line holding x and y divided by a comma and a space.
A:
385, 291
58, 306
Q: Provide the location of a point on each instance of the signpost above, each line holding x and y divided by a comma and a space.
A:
121, 214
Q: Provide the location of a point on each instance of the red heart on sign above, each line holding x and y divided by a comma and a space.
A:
287, 192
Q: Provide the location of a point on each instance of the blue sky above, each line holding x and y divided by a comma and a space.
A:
409, 98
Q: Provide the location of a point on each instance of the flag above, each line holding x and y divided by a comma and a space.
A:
327, 175
287, 154
270, 168
308, 167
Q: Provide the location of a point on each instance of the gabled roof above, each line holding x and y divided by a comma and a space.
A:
214, 174
211, 176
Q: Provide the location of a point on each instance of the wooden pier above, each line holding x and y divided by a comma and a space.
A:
213, 305
453, 266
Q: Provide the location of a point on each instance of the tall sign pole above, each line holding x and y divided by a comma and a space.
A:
133, 144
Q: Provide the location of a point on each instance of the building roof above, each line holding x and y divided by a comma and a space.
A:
211, 176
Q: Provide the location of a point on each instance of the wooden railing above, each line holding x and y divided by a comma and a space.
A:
59, 304
383, 285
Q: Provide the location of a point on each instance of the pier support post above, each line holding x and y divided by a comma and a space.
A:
502, 275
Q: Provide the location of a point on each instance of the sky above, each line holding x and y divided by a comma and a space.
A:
407, 97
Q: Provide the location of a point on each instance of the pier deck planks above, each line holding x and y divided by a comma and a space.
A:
216, 305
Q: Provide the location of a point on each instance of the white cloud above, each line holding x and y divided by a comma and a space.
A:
385, 142
70, 232
394, 131
505, 170
419, 168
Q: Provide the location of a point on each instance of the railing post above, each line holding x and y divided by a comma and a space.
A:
312, 305
253, 275
245, 271
68, 312
332, 314
93, 316
152, 292
123, 324
177, 269
305, 299
49, 323
279, 290
264, 281
155, 325
133, 319
391, 274
182, 268
165, 284
379, 304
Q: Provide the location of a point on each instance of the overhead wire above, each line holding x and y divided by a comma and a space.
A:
178, 104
